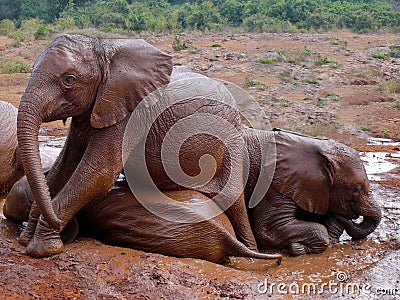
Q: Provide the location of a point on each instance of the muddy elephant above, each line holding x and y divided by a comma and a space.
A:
119, 219
99, 83
11, 169
319, 187
10, 165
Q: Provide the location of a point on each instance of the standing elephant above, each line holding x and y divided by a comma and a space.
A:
319, 187
119, 219
99, 83
10, 165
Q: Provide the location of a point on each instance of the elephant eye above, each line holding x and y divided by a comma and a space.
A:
69, 79
357, 190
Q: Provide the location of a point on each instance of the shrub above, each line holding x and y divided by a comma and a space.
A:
264, 60
42, 32
30, 27
7, 27
65, 24
15, 66
177, 45
365, 128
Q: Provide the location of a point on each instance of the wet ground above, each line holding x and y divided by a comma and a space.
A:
88, 269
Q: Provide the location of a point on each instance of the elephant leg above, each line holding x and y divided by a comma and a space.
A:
237, 214
306, 238
276, 226
58, 176
334, 227
95, 175
28, 232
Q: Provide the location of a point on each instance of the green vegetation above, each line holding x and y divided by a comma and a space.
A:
379, 55
264, 60
177, 45
15, 66
312, 79
396, 103
285, 103
320, 61
365, 128
126, 16
285, 76
248, 83
307, 51
391, 86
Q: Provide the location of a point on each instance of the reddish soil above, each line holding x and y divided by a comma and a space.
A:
346, 99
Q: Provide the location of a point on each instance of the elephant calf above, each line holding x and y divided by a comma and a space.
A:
319, 187
11, 169
119, 219
10, 165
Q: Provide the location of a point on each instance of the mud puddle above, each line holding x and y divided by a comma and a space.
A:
87, 269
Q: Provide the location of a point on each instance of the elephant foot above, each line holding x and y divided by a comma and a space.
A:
296, 249
70, 231
26, 235
45, 242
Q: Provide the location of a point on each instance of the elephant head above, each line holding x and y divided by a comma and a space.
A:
10, 165
97, 82
350, 196
324, 176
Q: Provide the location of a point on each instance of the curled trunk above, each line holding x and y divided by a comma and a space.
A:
368, 225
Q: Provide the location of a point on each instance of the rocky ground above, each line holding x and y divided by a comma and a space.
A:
341, 85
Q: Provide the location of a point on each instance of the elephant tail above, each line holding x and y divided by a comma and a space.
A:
236, 248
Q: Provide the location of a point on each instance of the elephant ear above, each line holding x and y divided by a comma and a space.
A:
132, 70
303, 172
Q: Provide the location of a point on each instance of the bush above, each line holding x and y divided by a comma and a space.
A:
42, 32
158, 16
7, 27
65, 24
177, 45
15, 66
29, 28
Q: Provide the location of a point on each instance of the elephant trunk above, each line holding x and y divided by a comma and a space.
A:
371, 217
28, 124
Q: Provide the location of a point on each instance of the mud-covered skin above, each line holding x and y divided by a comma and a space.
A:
97, 82
11, 169
318, 187
119, 219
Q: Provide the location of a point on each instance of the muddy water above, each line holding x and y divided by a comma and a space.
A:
341, 272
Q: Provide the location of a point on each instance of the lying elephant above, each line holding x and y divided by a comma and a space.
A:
318, 188
119, 219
